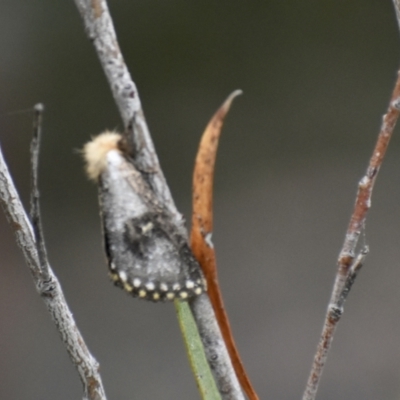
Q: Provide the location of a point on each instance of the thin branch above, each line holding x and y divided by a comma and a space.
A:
49, 287
348, 252
100, 30
214, 347
202, 227
396, 4
35, 205
351, 277
334, 313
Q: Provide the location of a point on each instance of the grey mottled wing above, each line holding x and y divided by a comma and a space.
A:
147, 255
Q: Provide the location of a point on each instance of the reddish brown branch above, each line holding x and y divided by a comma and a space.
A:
202, 225
347, 263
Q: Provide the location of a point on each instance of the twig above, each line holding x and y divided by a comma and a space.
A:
334, 313
351, 277
48, 286
35, 205
100, 30
215, 349
202, 227
396, 4
347, 254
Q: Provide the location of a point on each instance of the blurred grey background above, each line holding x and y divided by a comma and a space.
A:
317, 77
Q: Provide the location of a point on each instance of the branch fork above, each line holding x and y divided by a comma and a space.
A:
30, 239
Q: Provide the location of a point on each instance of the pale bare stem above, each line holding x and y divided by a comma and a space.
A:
35, 204
396, 4
348, 263
100, 30
49, 288
215, 349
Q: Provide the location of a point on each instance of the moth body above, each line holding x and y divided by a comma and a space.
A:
147, 255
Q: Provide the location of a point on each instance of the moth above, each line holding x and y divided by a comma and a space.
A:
147, 255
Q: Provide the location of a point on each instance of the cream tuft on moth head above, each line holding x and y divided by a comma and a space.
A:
95, 152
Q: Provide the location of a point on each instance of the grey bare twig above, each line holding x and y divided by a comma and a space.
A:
396, 4
100, 30
215, 349
349, 262
35, 204
31, 242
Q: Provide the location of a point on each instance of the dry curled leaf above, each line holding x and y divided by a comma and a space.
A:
201, 233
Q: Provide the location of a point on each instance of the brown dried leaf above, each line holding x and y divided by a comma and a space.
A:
202, 225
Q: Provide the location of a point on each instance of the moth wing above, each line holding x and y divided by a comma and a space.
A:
147, 257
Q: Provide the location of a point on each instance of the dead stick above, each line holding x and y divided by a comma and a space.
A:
348, 252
